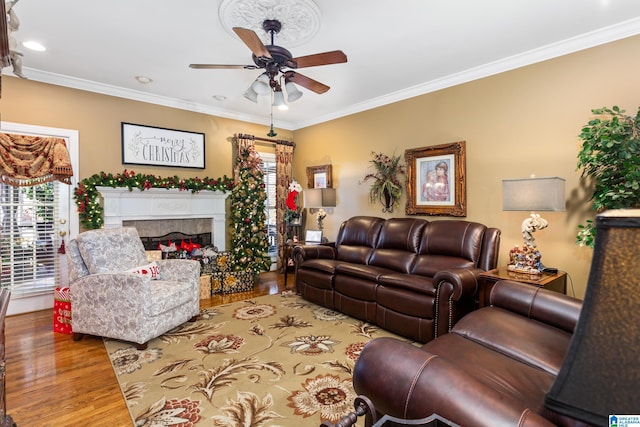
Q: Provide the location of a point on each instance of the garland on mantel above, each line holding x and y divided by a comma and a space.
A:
87, 197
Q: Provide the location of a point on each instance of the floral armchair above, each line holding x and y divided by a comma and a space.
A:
117, 293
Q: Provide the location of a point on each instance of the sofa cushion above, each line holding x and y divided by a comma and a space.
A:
411, 282
398, 244
111, 250
527, 341
430, 265
357, 237
408, 303
449, 244
368, 272
549, 307
166, 295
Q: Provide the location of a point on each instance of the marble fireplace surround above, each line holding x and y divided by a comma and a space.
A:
161, 205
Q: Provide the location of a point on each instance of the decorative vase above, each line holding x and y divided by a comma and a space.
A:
388, 201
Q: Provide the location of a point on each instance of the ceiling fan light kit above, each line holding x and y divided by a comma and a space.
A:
251, 95
279, 65
293, 93
261, 85
278, 100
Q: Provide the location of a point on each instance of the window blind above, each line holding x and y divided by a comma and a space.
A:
28, 239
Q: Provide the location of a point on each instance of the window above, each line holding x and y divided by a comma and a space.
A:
28, 240
269, 169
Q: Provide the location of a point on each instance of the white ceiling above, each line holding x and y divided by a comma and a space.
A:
396, 49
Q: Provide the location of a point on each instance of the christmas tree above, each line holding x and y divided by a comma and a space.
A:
248, 218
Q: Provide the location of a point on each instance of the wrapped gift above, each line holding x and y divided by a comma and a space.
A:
229, 282
62, 310
217, 263
205, 286
154, 255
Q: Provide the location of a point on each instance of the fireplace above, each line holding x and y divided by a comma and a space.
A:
167, 209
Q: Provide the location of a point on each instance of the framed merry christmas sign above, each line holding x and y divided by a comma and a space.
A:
155, 146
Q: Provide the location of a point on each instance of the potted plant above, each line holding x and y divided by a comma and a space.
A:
386, 187
610, 156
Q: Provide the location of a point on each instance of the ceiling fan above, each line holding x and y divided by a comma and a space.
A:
278, 64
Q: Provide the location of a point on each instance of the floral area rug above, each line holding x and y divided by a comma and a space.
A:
275, 360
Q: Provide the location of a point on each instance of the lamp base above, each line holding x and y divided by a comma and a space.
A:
525, 259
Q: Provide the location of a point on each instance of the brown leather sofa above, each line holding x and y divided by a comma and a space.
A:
493, 369
410, 276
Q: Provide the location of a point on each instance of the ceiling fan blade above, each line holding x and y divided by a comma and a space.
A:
326, 58
307, 82
252, 41
221, 67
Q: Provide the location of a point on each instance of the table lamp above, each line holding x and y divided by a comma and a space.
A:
531, 194
600, 375
316, 199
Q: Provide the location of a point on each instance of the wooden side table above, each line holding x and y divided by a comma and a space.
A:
556, 282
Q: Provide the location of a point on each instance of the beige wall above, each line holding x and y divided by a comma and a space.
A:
515, 124
98, 117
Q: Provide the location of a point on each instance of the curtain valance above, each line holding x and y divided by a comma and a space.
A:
30, 160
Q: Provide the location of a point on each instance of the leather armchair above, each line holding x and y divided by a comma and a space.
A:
493, 369
108, 301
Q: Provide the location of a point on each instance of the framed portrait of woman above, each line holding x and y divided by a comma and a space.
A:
436, 180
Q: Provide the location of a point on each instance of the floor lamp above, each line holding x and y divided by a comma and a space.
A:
600, 376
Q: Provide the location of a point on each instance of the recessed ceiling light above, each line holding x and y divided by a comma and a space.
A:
219, 97
143, 79
33, 45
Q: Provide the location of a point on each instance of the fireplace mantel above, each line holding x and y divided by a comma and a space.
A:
120, 204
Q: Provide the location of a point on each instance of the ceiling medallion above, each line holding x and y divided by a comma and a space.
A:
300, 18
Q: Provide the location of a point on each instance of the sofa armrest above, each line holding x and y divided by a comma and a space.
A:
322, 251
405, 381
464, 281
555, 309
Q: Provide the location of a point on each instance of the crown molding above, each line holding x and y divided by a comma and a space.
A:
585, 41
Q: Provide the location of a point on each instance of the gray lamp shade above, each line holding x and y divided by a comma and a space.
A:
320, 198
600, 375
533, 194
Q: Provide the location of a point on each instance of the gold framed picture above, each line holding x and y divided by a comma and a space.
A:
319, 177
436, 180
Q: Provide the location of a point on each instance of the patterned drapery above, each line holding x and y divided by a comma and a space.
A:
284, 160
31, 160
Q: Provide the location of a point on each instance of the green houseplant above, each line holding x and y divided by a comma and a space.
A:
610, 156
386, 187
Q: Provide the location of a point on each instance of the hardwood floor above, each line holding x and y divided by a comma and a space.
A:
54, 381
